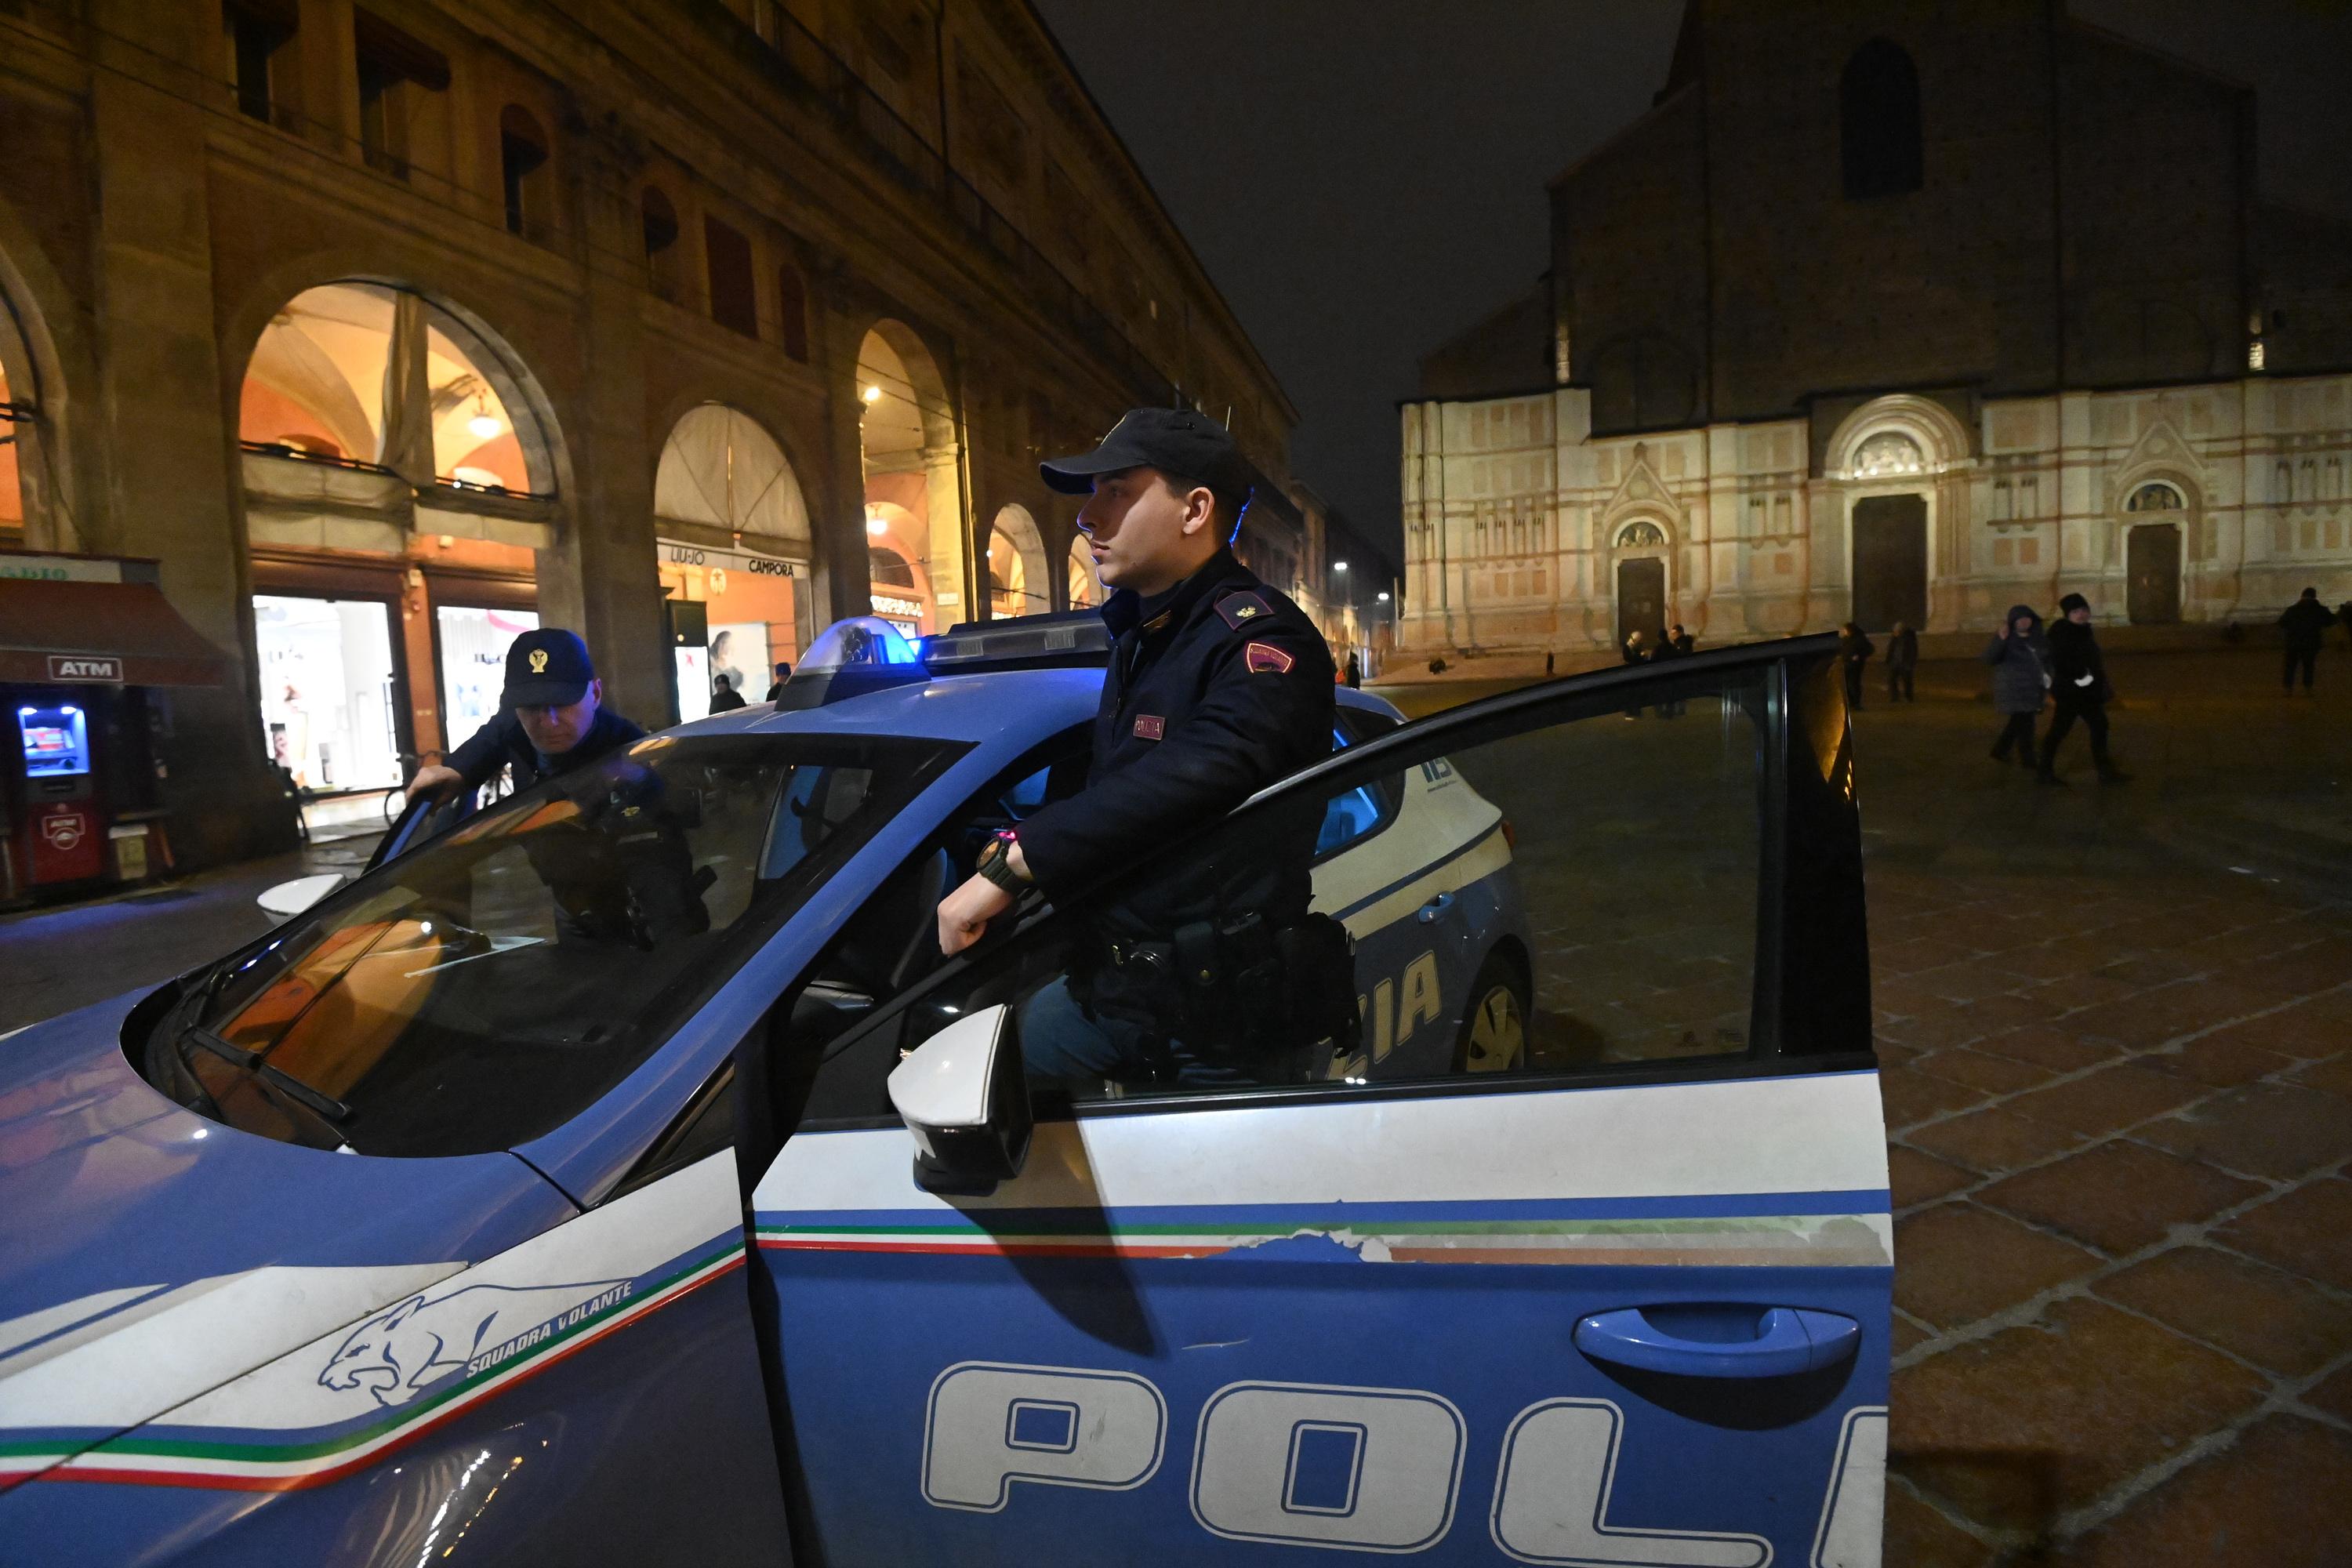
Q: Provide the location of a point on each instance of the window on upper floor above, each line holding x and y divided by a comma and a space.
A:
792, 311
727, 257
1878, 117
396, 71
257, 30
658, 219
522, 171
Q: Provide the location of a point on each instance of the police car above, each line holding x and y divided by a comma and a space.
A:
622, 1174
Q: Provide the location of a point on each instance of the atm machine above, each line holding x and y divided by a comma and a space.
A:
60, 832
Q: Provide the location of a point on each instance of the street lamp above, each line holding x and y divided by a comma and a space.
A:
1338, 566
1382, 597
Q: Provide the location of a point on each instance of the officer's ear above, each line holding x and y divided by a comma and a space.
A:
1200, 510
595, 693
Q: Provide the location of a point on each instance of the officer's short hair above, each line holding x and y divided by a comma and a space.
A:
1229, 506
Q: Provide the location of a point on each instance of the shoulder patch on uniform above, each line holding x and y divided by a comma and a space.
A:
1240, 610
1264, 659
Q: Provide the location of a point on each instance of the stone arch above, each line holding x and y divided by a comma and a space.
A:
43, 361
1082, 589
1942, 439
721, 468
910, 440
1633, 537
1018, 579
503, 367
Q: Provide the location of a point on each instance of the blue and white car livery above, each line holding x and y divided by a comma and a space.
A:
552, 1194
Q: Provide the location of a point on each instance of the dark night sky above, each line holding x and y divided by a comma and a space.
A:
1364, 178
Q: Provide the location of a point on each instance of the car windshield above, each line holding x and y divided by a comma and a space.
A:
477, 993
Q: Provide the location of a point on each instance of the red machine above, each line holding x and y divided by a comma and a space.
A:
84, 640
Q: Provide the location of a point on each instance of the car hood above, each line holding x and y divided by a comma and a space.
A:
148, 1254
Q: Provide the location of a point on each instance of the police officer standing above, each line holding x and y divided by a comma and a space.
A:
1218, 685
552, 720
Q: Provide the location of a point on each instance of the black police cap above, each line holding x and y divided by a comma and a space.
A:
547, 668
1176, 441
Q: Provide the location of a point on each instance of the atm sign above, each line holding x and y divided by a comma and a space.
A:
84, 667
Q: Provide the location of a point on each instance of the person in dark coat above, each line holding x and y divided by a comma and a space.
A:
2305, 624
724, 697
1673, 643
1355, 672
783, 673
2078, 691
1902, 664
2019, 656
1855, 650
551, 719
1637, 648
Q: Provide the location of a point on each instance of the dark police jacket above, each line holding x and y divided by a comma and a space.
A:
503, 741
2073, 654
1212, 695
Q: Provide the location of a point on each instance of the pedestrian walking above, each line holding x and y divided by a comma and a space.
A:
1673, 643
724, 697
1902, 664
1637, 648
2078, 691
2344, 615
1355, 672
783, 673
2019, 656
2305, 624
1855, 650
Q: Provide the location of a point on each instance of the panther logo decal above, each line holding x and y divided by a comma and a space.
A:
397, 1353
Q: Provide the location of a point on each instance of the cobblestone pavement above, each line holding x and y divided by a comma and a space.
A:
2117, 1030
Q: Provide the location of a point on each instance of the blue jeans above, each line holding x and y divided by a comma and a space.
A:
1059, 1041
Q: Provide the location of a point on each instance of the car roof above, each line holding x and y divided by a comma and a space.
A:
1016, 707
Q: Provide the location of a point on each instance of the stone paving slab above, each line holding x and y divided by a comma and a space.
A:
2124, 1256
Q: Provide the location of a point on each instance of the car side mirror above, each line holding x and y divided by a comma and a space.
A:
965, 1098
288, 899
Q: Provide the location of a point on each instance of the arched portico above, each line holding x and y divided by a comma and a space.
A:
912, 457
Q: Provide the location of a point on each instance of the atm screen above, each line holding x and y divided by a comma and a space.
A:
57, 742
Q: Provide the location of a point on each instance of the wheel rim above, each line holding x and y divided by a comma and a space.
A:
1498, 1035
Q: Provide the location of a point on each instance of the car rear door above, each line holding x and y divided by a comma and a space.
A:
1625, 1304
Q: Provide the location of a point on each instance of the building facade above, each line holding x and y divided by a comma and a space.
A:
1893, 313
386, 330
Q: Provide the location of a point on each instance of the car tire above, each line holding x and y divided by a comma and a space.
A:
1494, 1033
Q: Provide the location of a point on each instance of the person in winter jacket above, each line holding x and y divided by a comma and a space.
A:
1853, 651
2019, 656
2078, 690
2305, 624
1902, 663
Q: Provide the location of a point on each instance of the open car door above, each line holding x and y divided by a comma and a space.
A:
1585, 1258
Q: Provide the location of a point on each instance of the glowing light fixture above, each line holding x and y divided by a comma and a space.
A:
484, 424
875, 522
873, 394
1383, 598
1338, 566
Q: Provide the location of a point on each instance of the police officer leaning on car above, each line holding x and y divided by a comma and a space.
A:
551, 719
1218, 685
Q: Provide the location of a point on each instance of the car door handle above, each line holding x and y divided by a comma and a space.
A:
1436, 909
1771, 1342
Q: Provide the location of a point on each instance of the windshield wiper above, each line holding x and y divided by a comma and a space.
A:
293, 1088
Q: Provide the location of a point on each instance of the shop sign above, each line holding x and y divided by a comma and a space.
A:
891, 604
65, 829
67, 667
59, 569
732, 560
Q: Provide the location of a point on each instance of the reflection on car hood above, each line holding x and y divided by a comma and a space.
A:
147, 1254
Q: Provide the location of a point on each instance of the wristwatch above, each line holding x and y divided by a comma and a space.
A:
995, 862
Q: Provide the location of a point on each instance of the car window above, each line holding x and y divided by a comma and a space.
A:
475, 994
1356, 813
1577, 896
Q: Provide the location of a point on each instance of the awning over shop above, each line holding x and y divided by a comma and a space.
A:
100, 634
